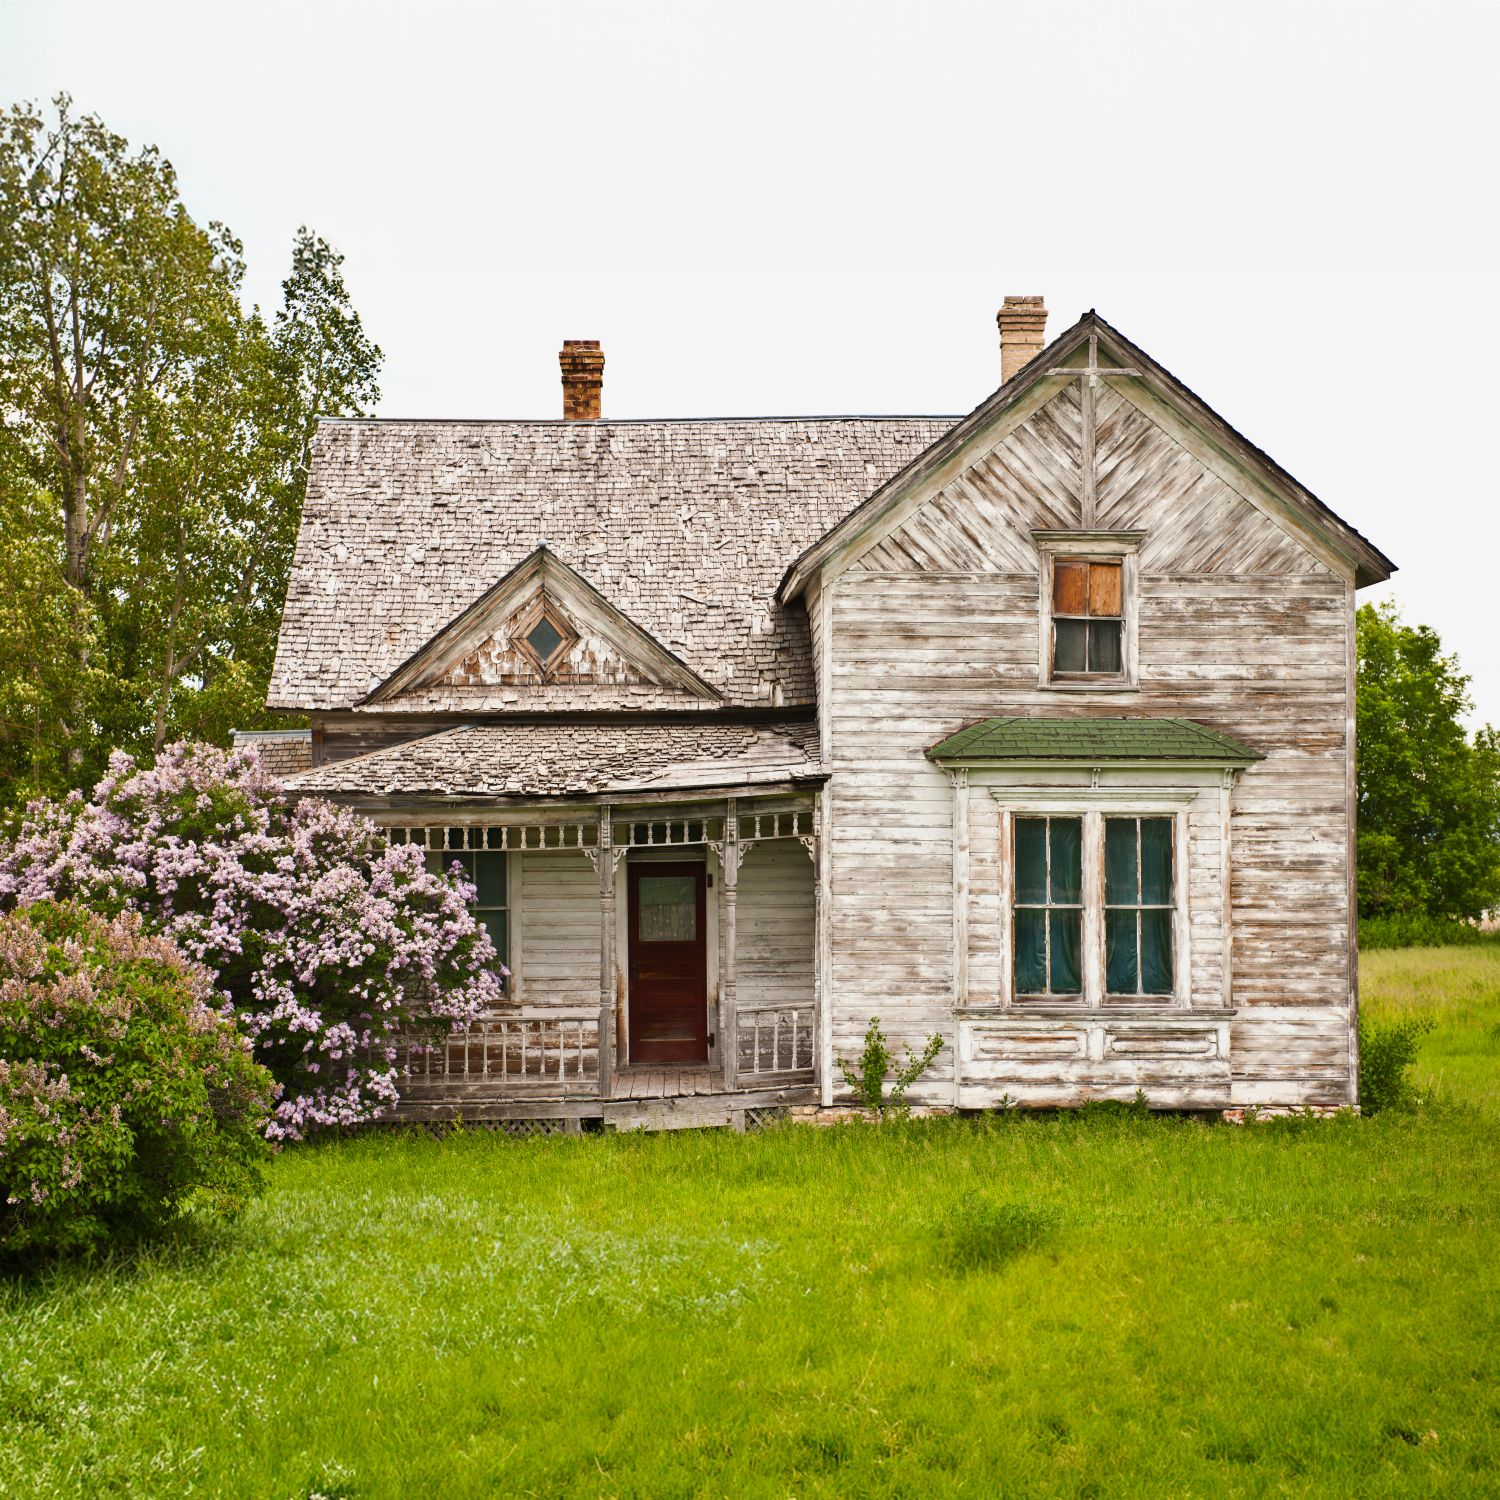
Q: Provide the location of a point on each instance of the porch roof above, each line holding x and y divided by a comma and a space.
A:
1092, 739
575, 759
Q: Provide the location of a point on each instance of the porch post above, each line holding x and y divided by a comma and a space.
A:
730, 1049
606, 954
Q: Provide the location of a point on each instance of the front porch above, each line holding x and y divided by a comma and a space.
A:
621, 1013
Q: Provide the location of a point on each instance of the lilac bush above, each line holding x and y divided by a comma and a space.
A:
323, 938
125, 1093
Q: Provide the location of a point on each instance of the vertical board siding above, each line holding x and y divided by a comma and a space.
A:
1241, 628
559, 926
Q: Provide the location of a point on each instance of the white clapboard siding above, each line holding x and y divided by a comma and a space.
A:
934, 626
774, 925
558, 922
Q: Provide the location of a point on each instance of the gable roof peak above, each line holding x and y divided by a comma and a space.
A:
540, 580
1368, 562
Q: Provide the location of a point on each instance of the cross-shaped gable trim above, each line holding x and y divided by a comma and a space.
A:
546, 575
1159, 394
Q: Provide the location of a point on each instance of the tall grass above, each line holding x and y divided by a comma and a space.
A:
1108, 1305
1458, 991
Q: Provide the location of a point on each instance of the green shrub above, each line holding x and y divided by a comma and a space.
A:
1419, 930
979, 1235
876, 1060
1386, 1054
124, 1096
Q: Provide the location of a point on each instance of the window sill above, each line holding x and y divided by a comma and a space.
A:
1171, 1011
1087, 685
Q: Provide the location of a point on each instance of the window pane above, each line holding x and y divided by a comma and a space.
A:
1066, 934
1031, 861
1156, 861
668, 909
1119, 952
1104, 645
1070, 588
544, 638
441, 862
1067, 860
1156, 952
497, 924
1104, 588
489, 876
1031, 951
1119, 862
1070, 644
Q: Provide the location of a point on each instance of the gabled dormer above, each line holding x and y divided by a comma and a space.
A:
541, 638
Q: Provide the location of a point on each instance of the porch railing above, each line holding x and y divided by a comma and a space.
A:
542, 1051
773, 1040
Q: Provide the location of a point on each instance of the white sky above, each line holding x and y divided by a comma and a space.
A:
810, 208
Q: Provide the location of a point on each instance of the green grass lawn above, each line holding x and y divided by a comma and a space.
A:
1187, 1310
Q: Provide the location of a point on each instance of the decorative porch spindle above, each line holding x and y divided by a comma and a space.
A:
606, 863
729, 1042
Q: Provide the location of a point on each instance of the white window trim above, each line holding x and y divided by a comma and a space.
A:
1090, 546
1093, 809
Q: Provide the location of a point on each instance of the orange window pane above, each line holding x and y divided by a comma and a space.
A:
1104, 588
1070, 588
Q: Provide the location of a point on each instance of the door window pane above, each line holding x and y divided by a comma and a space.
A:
668, 909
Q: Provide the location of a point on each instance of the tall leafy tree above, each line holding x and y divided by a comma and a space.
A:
154, 438
1429, 793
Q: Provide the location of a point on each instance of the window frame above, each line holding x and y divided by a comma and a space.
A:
442, 861
1095, 997
1048, 906
542, 608
1117, 547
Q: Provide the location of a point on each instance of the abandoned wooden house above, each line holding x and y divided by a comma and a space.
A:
1032, 728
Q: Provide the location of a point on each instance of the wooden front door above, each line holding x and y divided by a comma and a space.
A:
668, 963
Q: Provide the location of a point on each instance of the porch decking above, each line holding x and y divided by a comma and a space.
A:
533, 1065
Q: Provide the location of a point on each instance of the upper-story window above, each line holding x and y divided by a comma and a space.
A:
1088, 609
1088, 625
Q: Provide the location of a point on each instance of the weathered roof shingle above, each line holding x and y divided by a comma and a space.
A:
685, 526
563, 759
1091, 739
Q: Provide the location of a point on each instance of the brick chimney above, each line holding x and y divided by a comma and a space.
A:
1023, 331
582, 363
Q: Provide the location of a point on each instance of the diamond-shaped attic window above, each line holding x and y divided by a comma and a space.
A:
544, 638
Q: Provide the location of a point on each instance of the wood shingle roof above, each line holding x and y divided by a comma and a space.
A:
685, 526
562, 759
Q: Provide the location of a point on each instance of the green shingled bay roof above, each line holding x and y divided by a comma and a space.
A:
1091, 739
